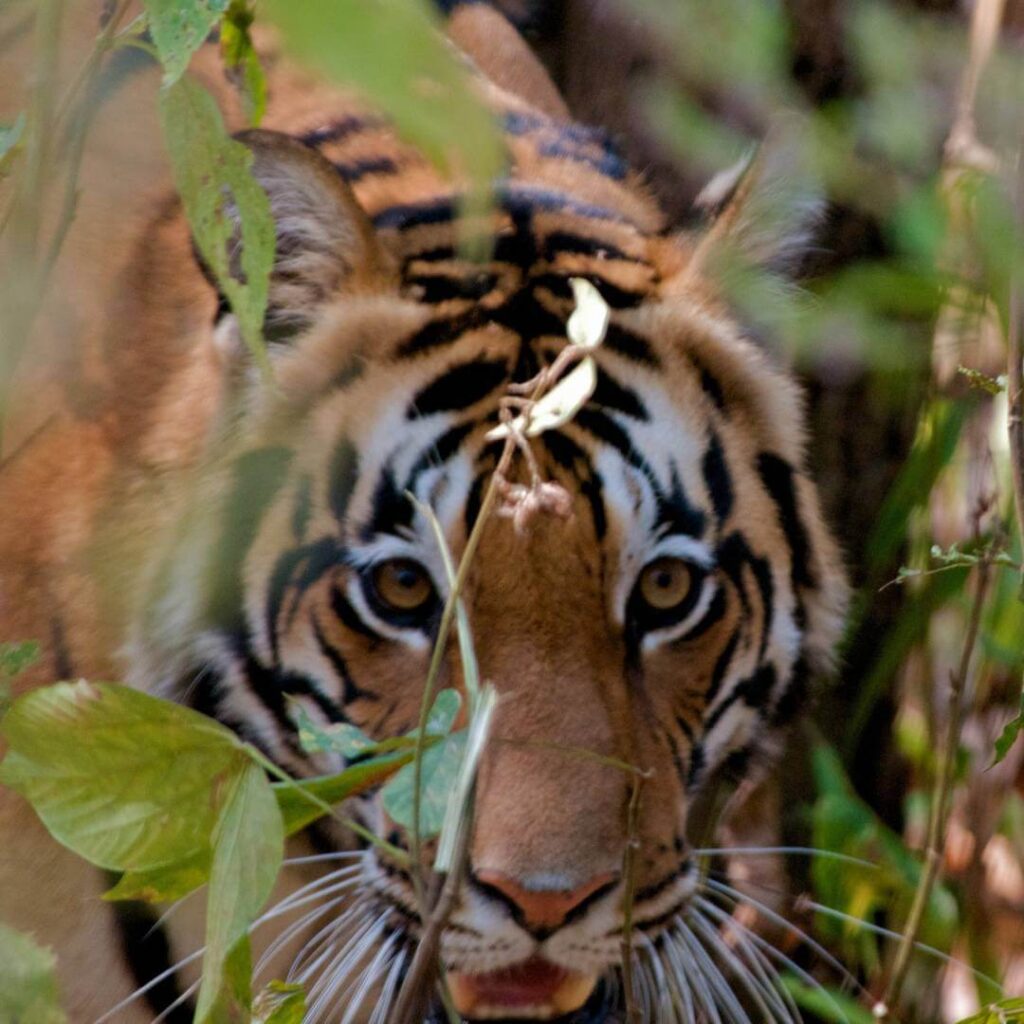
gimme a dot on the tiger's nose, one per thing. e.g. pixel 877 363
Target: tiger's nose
pixel 542 907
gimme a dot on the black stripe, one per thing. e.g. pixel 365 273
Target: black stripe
pixel 794 696
pixel 733 554
pixel 567 241
pixel 342 129
pixel 777 476
pixel 441 332
pixel 611 165
pixel 697 762
pixel 755 692
pixel 352 172
pixel 676 514
pixel 571 457
pixel 148 955
pixel 350 618
pixel 610 394
pixel 404 216
pixel 711 386
pixel 350 692
pixel 630 345
pixel 614 295
pixel 714 613
pixel 391 510
pixel 458 388
pixel 341 477
pixel 438 288
pixel 717 478
pixel 721 667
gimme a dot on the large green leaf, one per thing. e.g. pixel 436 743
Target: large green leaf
pixel 165 884
pixel 439 774
pixel 394 53
pixel 212 174
pixel 28 991
pixel 126 780
pixel 279 1003
pixel 248 846
pixel 179 28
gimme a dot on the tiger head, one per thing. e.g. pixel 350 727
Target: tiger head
pixel 667 621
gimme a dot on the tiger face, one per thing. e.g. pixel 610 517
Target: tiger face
pixel 668 619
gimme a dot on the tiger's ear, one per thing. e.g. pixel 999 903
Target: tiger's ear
pixel 325 242
pixel 763 211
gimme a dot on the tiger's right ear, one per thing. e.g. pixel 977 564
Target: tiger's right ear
pixel 325 242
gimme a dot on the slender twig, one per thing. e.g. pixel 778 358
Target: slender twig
pixel 941 796
pixel 1015 371
pixel 629 858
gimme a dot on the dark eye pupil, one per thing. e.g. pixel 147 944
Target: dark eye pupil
pixel 663 579
pixel 407 577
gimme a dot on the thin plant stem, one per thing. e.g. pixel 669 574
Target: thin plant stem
pixel 629 858
pixel 941 795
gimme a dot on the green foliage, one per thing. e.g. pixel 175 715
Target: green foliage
pixel 826 1003
pixel 15 657
pixel 1009 1011
pixel 179 28
pixel 10 137
pixel 212 174
pixel 393 53
pixel 438 773
pixel 28 989
pixel 843 823
pixel 279 1003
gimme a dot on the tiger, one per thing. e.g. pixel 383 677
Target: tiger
pixel 247 548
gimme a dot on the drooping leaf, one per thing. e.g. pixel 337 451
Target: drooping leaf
pixel 301 801
pixel 28 988
pixel 126 780
pixel 166 884
pixel 279 1003
pixel 248 846
pixel 212 175
pixel 438 774
pixel 241 62
pixel 179 28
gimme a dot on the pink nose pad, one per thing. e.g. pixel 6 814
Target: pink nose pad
pixel 544 909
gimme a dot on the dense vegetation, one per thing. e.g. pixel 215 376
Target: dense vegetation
pixel 907 328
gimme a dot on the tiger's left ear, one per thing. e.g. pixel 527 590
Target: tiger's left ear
pixel 763 211
pixel 325 243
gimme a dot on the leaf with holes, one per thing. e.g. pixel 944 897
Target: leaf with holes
pixel 212 175
pixel 438 776
pixel 179 28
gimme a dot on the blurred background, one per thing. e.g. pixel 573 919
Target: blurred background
pixel 901 326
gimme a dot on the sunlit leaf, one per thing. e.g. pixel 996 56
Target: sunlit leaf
pixel 279 1003
pixel 438 774
pixel 248 846
pixel 828 1004
pixel 212 175
pixel 179 28
pixel 126 780
pixel 28 989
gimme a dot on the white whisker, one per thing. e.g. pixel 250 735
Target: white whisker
pixel 370 974
pixel 190 991
pixel 389 990
pixel 767 851
pixel 741 897
pixel 291 931
pixel 716 979
pixel 316 858
pixel 338 973
pixel 184 962
pixel 703 989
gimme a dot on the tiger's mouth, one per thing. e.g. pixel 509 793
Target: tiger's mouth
pixel 533 990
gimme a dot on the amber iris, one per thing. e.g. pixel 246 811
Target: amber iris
pixel 402 585
pixel 665 584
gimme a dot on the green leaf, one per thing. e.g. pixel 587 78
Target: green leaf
pixel 28 989
pixel 1010 732
pixel 248 846
pixel 442 715
pixel 241 62
pixel 394 53
pixel 126 780
pixel 301 800
pixel 179 28
pixel 279 1003
pixel 826 1003
pixel 17 656
pixel 166 884
pixel 438 775
pixel 1009 1011
pixel 212 174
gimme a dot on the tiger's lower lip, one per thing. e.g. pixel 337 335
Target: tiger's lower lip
pixel 534 990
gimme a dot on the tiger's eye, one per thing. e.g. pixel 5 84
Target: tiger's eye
pixel 665 583
pixel 402 585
